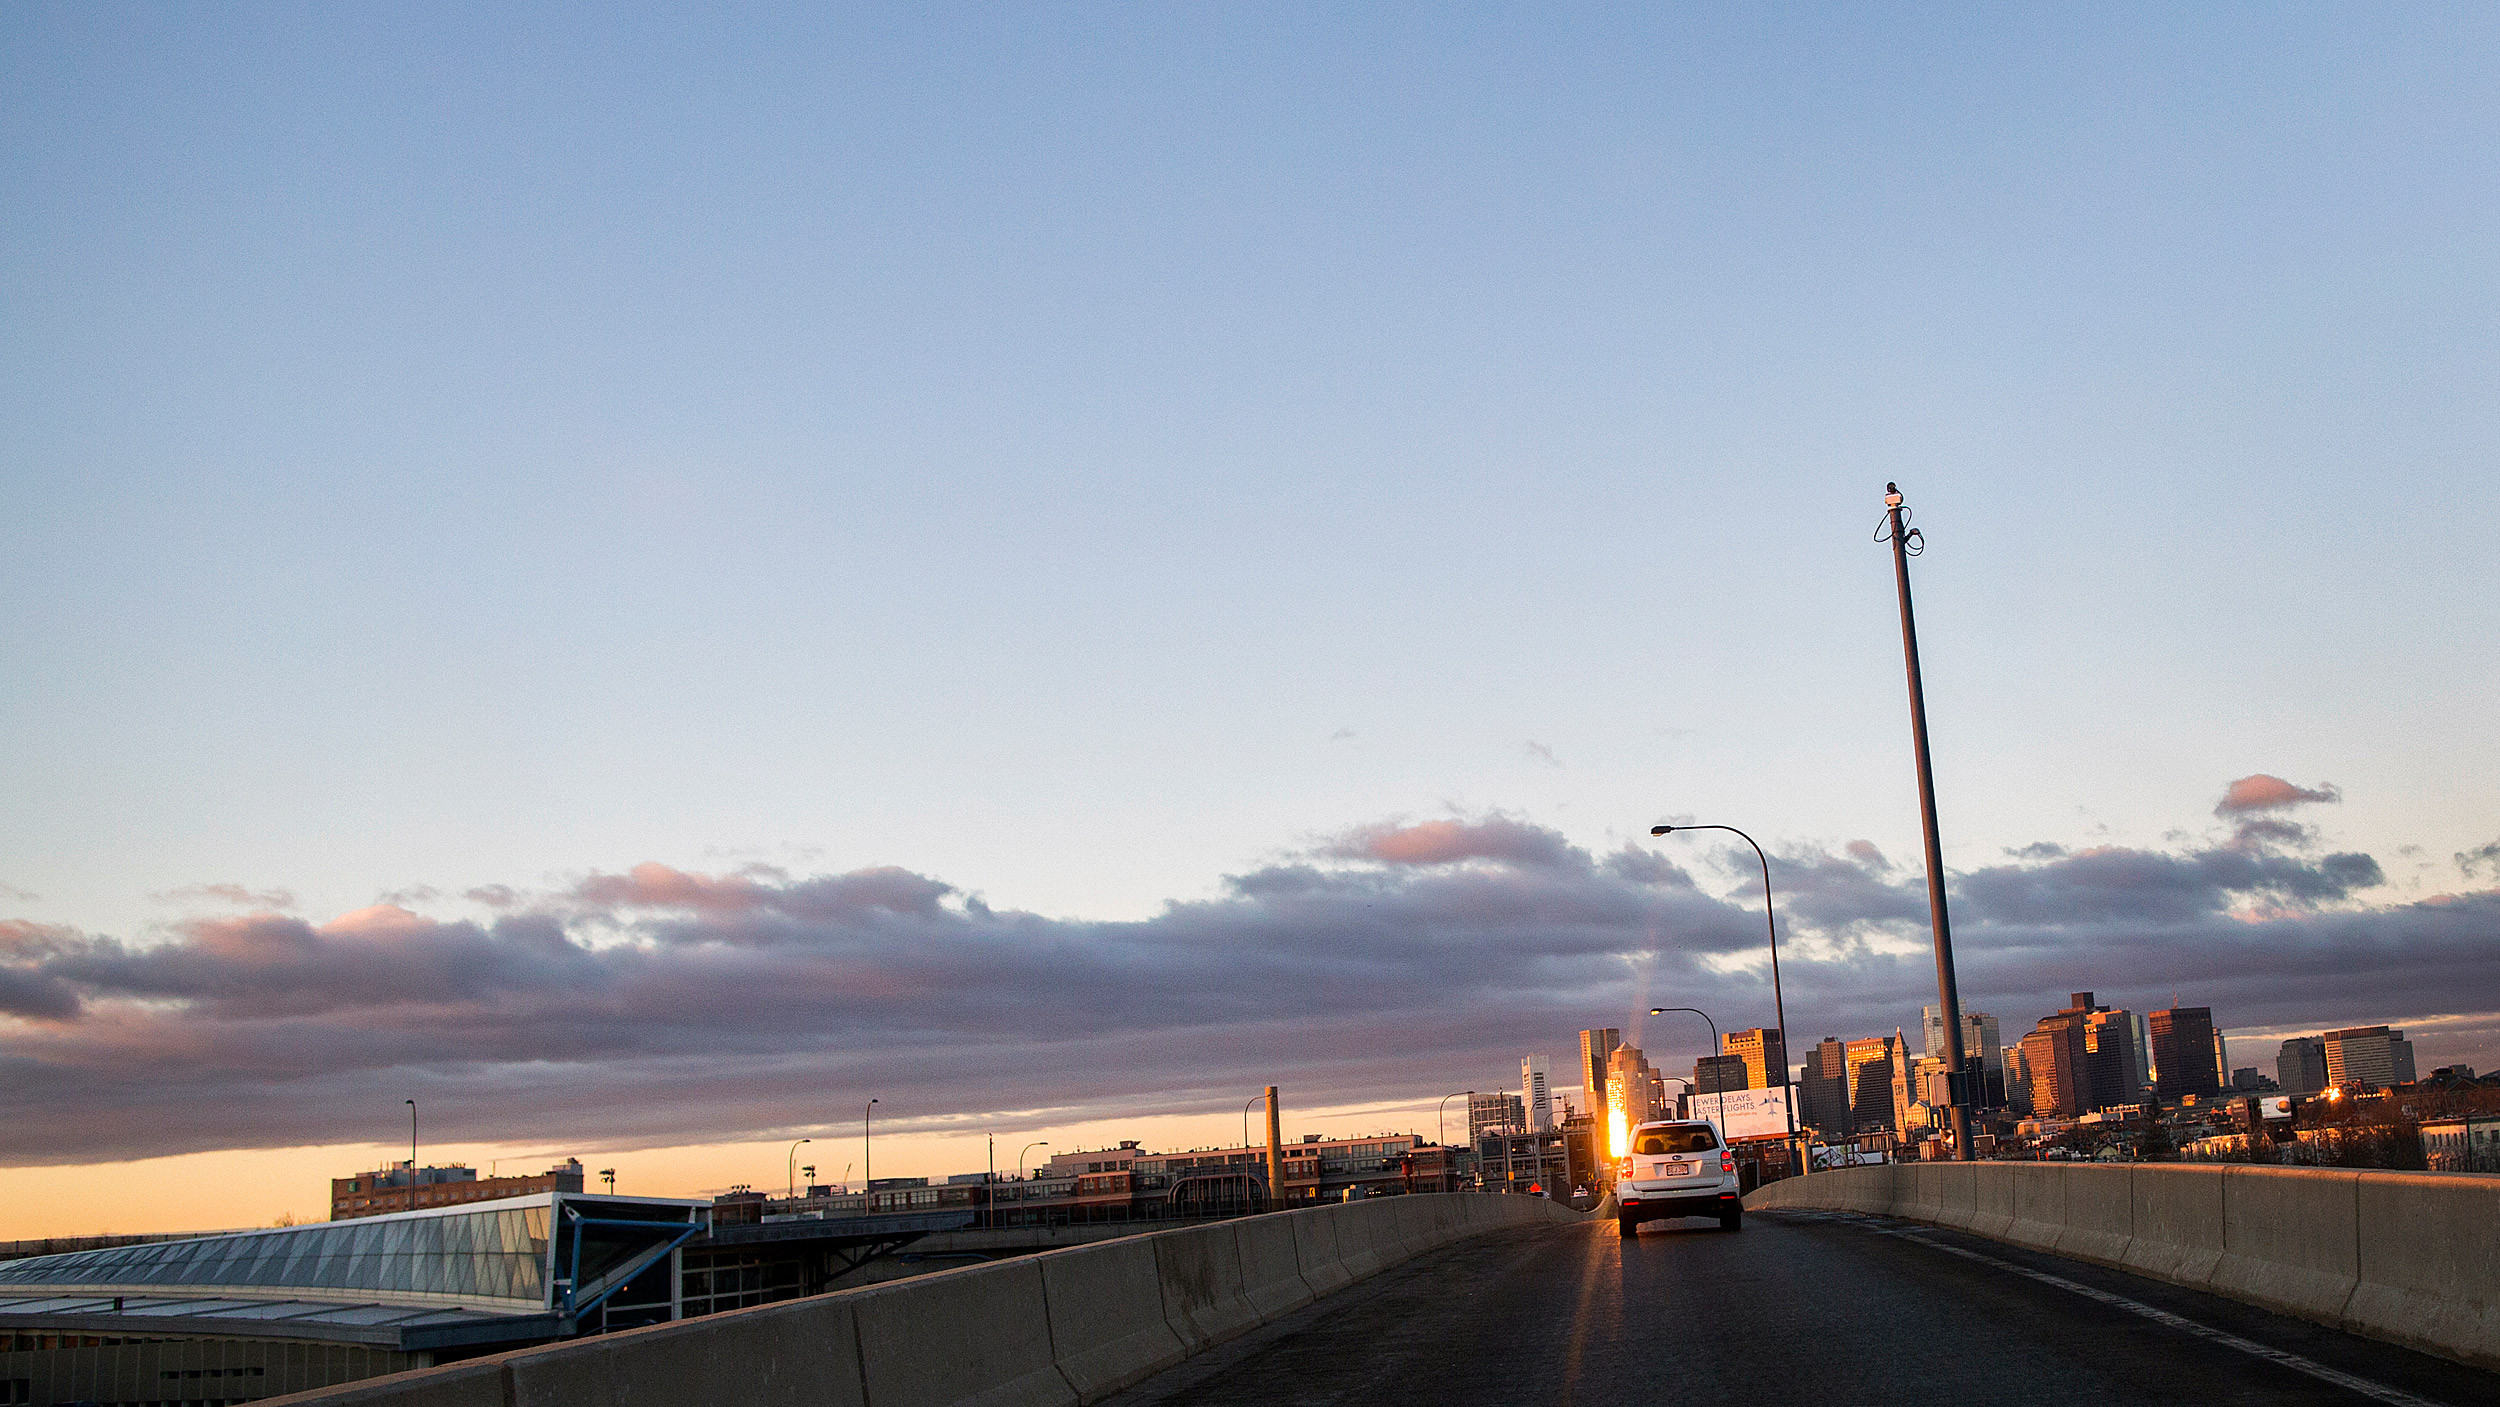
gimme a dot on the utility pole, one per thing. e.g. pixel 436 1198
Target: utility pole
pixel 412 1154
pixel 1275 1154
pixel 1906 540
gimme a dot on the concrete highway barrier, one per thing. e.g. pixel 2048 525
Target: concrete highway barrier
pixel 2410 1258
pixel 1058 1329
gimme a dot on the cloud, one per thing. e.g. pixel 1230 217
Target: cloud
pixel 1342 734
pixel 2480 860
pixel 276 900
pixel 2261 792
pixel 661 1005
pixel 1540 753
pixel 1496 838
pixel 16 895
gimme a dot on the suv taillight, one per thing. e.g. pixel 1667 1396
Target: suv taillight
pixel 1624 1168
pixel 1727 1162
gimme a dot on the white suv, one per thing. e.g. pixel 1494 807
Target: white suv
pixel 1677 1167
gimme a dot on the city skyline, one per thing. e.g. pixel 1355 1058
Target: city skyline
pixel 643 579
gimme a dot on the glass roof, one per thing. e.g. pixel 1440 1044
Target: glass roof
pixel 492 1255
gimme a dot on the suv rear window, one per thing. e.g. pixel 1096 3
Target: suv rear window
pixel 1693 1139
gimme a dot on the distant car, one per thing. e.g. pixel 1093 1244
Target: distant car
pixel 1677 1167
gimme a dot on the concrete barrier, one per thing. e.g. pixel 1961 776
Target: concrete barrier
pixel 2288 1239
pixel 2430 1263
pixel 2100 1212
pixel 1271 1273
pixel 806 1347
pixel 1200 1271
pixel 2411 1258
pixel 2177 1220
pixel 1107 1326
pixel 1992 1200
pixel 1315 1251
pixel 1057 1329
pixel 978 1336
pixel 2039 1207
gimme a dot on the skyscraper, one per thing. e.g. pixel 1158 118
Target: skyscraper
pixel 1766 1059
pixel 1870 1083
pixel 2057 1057
pixel 1823 1090
pixel 1980 1039
pixel 2300 1066
pixel 1595 1049
pixel 1635 1093
pixel 1535 1095
pixel 2183 1053
pixel 2109 1046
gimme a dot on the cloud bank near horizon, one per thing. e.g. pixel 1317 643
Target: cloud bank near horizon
pixel 664 1006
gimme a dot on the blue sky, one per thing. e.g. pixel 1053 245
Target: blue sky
pixel 1080 454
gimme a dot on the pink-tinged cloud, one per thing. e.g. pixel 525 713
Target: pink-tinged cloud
pixel 1496 838
pixel 2262 792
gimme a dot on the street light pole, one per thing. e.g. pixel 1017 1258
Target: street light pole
pixel 1905 540
pixel 412 1154
pixel 1023 1192
pixel 1714 1049
pixel 1779 1003
pixel 1440 1132
pixel 792 1162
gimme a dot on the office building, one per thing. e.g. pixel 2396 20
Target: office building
pixel 1870 1064
pixel 1495 1111
pixel 2109 1051
pixel 1596 1049
pixel 1534 1095
pixel 1980 1039
pixel 1713 1073
pixel 2058 1060
pixel 403 1188
pixel 1764 1054
pixel 1823 1089
pixel 2300 1065
pixel 2368 1057
pixel 1635 1093
pixel 2183 1054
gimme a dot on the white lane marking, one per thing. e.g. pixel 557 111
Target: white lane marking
pixel 2293 1361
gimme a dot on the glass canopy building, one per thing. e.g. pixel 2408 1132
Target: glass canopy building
pixel 402 1289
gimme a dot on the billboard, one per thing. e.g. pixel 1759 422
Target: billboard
pixel 1751 1113
pixel 2275 1106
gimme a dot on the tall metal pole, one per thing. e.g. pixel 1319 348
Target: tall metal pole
pixel 1948 990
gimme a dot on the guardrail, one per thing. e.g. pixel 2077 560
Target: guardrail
pixel 1057 1329
pixel 2410 1258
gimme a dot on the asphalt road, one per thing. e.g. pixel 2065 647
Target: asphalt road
pixel 1798 1307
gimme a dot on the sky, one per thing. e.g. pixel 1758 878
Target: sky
pixel 643 578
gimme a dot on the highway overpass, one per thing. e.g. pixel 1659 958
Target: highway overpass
pixel 1928 1282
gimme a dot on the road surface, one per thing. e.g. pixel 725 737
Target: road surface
pixel 1799 1307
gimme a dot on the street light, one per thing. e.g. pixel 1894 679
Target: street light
pixel 412 1154
pixel 793 1162
pixel 1245 1120
pixel 1779 1003
pixel 1714 1046
pixel 1441 1135
pixel 1024 1193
